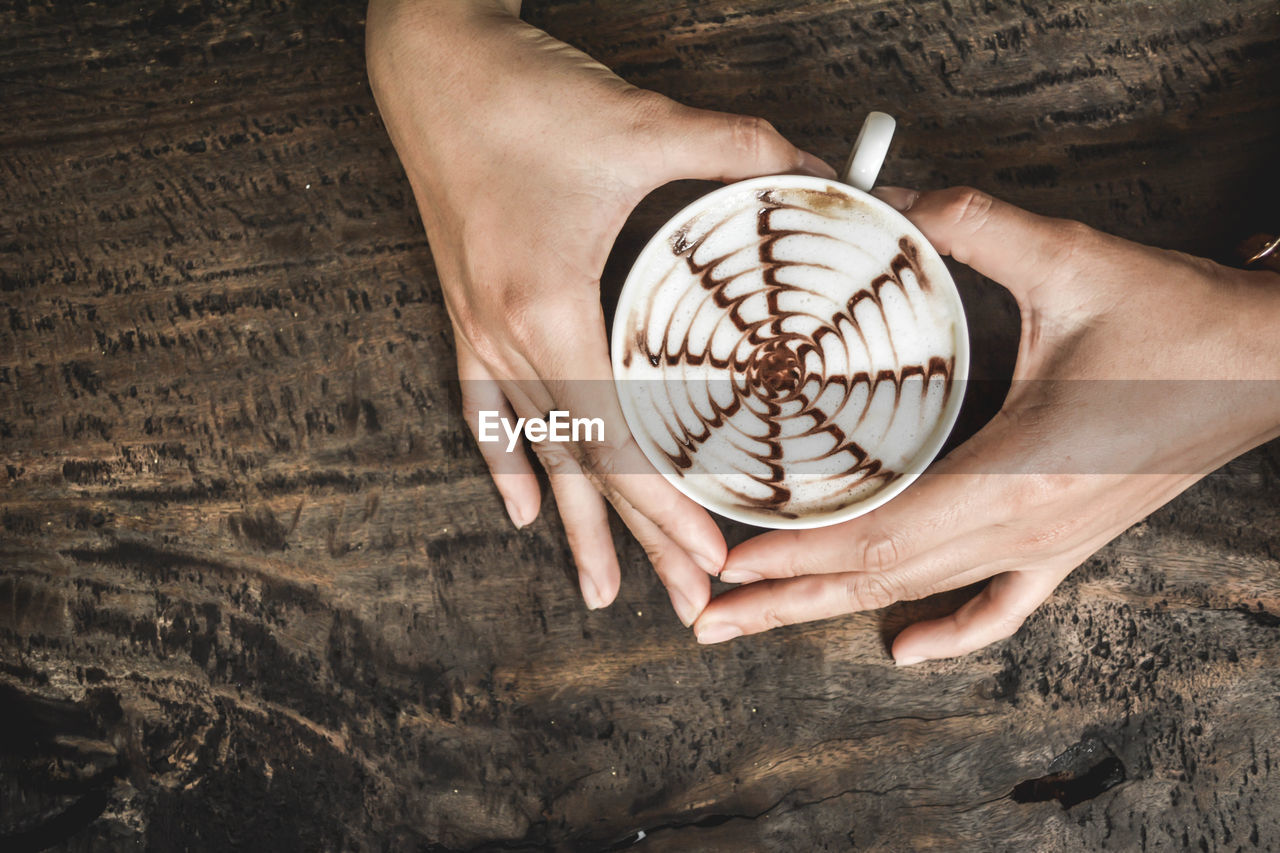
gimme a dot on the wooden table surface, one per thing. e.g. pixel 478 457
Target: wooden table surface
pixel 257 589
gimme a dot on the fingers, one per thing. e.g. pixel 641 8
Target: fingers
pixel 616 463
pixel 581 508
pixel 618 472
pixel 943 505
pixel 583 513
pixel 954 498
pixel 993 614
pixel 769 604
pixel 1019 249
pixel 681 539
pixel 512 473
pixel 586 526
pixel 719 146
pixel 585 518
pixel 580 497
pixel 687 585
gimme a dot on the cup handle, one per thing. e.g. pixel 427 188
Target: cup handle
pixel 869 151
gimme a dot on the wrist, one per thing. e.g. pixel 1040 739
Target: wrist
pixel 1255 351
pixel 1254 303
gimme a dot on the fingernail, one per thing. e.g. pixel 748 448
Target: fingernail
pixel 708 565
pixel 909 660
pixel 590 595
pixel 740 576
pixel 898 198
pixel 518 517
pixel 816 166
pixel 685 609
pixel 718 634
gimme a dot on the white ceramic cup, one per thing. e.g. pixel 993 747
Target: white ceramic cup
pixel 671 435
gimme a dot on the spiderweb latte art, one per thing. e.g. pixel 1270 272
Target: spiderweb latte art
pixel 789 351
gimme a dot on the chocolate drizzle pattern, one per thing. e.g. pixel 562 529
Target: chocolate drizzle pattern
pixel 802 367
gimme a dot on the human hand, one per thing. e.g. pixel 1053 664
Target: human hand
pixel 1085 445
pixel 525 157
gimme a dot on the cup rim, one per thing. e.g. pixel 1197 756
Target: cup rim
pixel 632 288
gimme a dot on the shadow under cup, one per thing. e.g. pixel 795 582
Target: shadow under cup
pixel 789 352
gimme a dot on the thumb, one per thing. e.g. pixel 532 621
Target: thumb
pixel 995 613
pixel 1014 247
pixel 709 145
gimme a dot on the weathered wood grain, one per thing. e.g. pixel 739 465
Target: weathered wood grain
pixel 256 588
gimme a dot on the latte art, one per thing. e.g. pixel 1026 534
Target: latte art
pixel 790 343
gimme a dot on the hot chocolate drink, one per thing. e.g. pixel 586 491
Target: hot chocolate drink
pixel 788 351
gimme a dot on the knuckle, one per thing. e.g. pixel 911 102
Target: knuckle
pixel 571 458
pixel 771 618
pixel 554 458
pixel 655 553
pixel 869 591
pixel 652 546
pixel 601 461
pixel 881 552
pixel 477 335
pixel 497 308
pixel 968 207
pixel 801 560
pixel 523 333
pixel 752 134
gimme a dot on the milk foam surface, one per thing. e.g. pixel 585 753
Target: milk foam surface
pixel 788 351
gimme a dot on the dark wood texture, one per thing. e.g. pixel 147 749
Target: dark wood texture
pixel 256 587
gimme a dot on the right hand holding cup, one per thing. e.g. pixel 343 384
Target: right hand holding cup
pixel 1137 373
